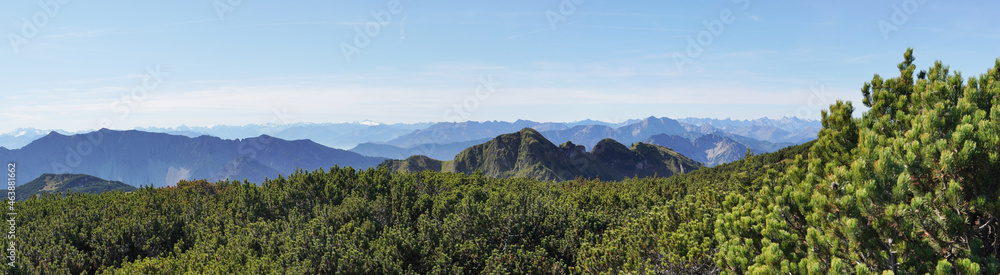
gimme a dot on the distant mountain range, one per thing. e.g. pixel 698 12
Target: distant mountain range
pixel 350 134
pixel 22 136
pixel 527 153
pixel 443 140
pixel 784 130
pixel 336 135
pixel 589 136
pixel 433 150
pixel 710 149
pixel 63 183
pixel 143 158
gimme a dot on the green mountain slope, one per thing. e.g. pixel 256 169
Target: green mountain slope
pixel 63 183
pixel 412 164
pixel 528 154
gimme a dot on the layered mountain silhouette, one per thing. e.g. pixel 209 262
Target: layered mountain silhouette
pixel 63 183
pixel 142 158
pixel 528 154
pixel 20 137
pixel 445 140
pixel 157 159
pixel 452 132
pixel 788 130
pixel 433 150
pixel 590 135
pixel 587 135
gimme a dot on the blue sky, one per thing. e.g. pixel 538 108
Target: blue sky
pixel 548 60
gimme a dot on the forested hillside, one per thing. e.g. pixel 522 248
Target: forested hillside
pixel 909 187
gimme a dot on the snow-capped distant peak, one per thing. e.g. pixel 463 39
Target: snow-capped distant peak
pixel 370 123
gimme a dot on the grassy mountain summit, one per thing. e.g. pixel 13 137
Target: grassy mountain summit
pixel 528 154
pixel 62 183
pixel 415 163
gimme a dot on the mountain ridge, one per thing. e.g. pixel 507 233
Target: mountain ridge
pixel 528 154
pixel 347 135
pixel 141 158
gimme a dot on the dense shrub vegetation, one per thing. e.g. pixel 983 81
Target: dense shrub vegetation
pixel 910 187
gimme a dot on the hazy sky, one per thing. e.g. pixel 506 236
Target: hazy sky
pixel 78 65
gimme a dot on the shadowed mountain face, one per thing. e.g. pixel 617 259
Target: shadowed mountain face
pixel 62 183
pixel 590 136
pixel 642 160
pixel 528 154
pixel 141 158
